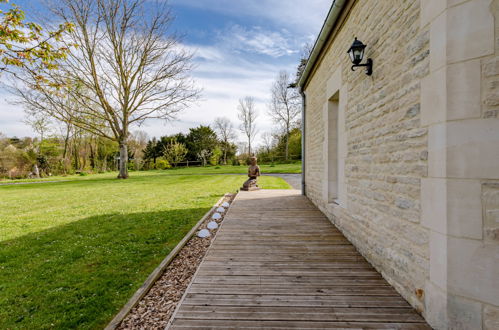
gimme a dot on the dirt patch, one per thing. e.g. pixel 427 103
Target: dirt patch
pixel 156 308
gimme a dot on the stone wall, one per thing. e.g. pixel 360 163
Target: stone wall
pixel 418 189
pixel 386 146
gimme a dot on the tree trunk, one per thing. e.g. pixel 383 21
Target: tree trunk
pixel 92 156
pixel 123 160
pixel 76 156
pixel 66 141
pixel 249 147
pixel 65 162
pixel 287 144
pixel 36 171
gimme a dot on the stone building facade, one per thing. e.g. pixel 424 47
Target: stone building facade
pixel 406 161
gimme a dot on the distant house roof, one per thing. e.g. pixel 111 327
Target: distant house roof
pixel 327 27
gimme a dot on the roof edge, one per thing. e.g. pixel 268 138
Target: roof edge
pixel 327 27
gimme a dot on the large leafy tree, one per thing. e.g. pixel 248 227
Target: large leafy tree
pixel 201 142
pixel 151 151
pixel 27 45
pixel 128 68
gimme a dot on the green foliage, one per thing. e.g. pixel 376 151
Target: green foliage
pixel 162 164
pixel 175 152
pixel 74 254
pixel 216 156
pixel 151 152
pixel 56 155
pixel 25 44
pixel 277 153
pixel 295 144
pixel 201 142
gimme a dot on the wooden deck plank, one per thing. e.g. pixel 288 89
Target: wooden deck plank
pixel 295 301
pixel 278 263
pixel 247 324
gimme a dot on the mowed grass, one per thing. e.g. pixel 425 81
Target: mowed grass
pixel 224 169
pixel 72 253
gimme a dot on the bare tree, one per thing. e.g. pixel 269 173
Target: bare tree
pixel 242 147
pixel 127 68
pixel 226 134
pixel 304 55
pixel 39 122
pixel 284 107
pixel 137 143
pixel 268 144
pixel 247 114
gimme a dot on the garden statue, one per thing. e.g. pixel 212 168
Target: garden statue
pixel 253 174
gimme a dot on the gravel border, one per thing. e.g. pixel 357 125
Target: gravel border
pixel 155 308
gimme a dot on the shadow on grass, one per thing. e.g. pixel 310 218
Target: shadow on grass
pixel 80 274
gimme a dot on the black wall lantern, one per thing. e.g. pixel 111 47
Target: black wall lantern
pixel 356 53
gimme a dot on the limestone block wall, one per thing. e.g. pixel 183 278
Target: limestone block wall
pixel 418 151
pixel 459 196
pixel 386 147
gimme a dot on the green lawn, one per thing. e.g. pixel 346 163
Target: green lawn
pixel 72 253
pixel 225 169
pixel 278 168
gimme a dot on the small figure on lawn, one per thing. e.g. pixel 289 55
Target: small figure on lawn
pixel 253 174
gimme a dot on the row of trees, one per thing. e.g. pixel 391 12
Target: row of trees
pixel 201 145
pixel 68 150
pixel 64 150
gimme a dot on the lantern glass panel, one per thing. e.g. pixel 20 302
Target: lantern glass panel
pixel 350 53
pixel 358 54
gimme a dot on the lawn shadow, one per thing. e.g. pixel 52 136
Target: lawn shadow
pixel 78 275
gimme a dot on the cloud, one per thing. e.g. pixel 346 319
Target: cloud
pixel 239 57
pixel 259 40
pixel 296 15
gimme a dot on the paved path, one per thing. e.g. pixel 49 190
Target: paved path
pixel 277 262
pixel 294 180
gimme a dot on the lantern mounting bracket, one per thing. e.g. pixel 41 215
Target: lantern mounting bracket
pixel 368 65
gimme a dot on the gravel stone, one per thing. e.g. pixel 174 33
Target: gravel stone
pixel 156 308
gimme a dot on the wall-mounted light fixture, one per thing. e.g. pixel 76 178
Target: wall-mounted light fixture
pixel 356 53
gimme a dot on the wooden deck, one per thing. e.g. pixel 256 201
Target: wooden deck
pixel 278 262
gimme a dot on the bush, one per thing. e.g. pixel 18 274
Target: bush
pixel 217 167
pixel 162 164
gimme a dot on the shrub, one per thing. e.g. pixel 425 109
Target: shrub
pixel 162 164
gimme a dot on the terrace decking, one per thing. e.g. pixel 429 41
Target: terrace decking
pixel 278 262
